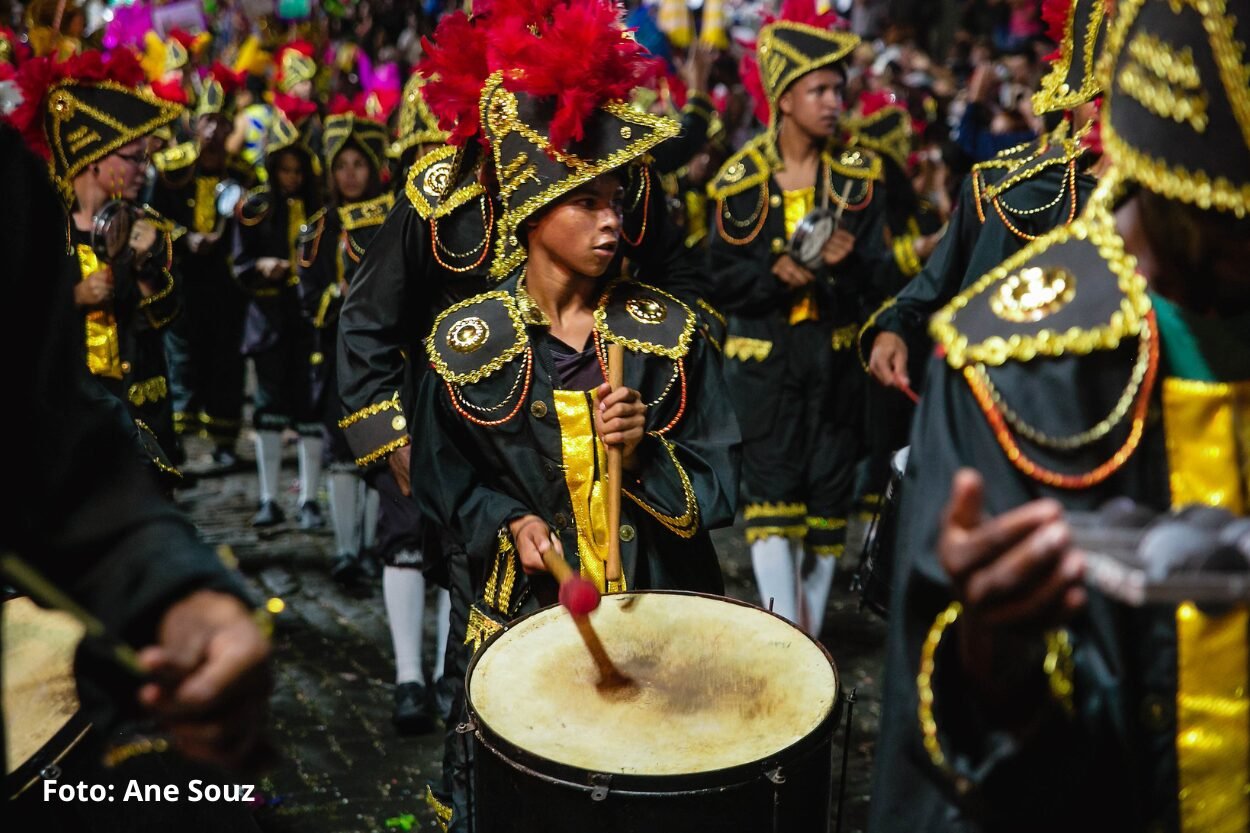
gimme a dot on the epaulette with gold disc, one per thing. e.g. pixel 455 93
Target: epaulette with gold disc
pixel 854 163
pixel 861 166
pixel 255 205
pixel 431 188
pixel 367 214
pixel 1057 154
pixel 1073 292
pixel 176 158
pixel 645 319
pixel 746 169
pixel 477 337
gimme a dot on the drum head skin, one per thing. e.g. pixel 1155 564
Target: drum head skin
pixel 719 684
pixel 39 691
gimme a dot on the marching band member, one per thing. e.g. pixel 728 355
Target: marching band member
pixel 791 325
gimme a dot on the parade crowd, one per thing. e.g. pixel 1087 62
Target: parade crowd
pixel 970 275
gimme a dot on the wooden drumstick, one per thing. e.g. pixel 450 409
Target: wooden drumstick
pixel 25 577
pixel 580 597
pixel 616 378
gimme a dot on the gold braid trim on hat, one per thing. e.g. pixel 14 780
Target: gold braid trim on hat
pixel 1175 181
pixel 59 94
pixel 499 111
pixel 1054 93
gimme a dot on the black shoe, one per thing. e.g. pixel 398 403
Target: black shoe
pixel 369 565
pixel 224 458
pixel 412 716
pixel 268 515
pixel 346 570
pixel 310 516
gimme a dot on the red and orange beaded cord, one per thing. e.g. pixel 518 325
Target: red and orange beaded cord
pixel 1103 471
pixel 646 206
pixel 488 220
pixel 525 391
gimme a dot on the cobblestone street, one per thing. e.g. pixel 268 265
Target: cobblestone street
pixel 343 769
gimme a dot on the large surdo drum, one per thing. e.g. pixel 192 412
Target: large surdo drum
pixel 728 726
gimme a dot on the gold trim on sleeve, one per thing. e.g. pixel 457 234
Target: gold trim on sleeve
pixel 686 524
pixel 381 452
pixel 392 404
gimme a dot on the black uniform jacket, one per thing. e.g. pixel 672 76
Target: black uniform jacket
pixel 503 441
pixel 1016 399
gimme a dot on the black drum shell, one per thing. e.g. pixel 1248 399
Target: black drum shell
pixel 518 791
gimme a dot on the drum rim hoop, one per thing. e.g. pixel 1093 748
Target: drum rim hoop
pixel 25 774
pixel 634 783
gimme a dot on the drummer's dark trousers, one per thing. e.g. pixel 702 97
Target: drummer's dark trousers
pixel 799 403
pixel 206 371
pixel 454 788
pixel 888 414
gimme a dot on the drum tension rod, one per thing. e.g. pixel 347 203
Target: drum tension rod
pixel 599 783
pixel 846 750
pixel 465 730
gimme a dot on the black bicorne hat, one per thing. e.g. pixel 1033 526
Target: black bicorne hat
pixel 348 128
pixel 1177 114
pixel 85 122
pixel 533 174
pixel 417 125
pixel 1072 79
pixel 887 131
pixel 282 136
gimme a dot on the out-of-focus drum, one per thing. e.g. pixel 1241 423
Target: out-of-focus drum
pixel 41 721
pixel 729 726
pixel 876 565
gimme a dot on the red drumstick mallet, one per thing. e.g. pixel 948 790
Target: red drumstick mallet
pixel 580 597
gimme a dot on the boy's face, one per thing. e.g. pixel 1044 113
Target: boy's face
pixel 813 102
pixel 583 229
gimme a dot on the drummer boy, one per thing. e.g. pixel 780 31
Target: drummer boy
pixel 520 416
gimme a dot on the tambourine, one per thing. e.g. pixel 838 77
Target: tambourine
pixel 228 193
pixel 810 237
pixel 110 230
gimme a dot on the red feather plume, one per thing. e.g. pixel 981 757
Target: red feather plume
pixel 580 56
pixel 170 91
pixel 456 68
pixel 1055 16
pixel 185 38
pixel 804 11
pixel 231 81
pixel 295 109
pixel 572 50
pixel 339 105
